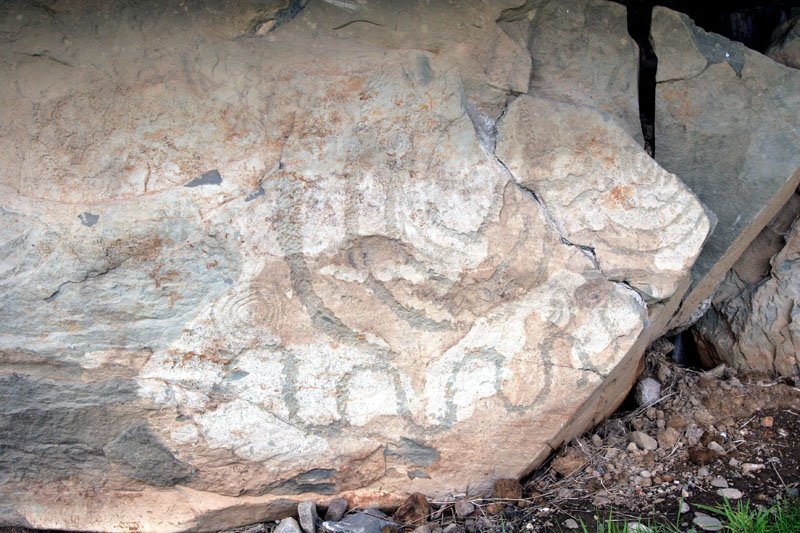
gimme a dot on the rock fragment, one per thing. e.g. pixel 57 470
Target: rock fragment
pixel 730 493
pixel 336 509
pixel 701 456
pixel 307 514
pixel 714 446
pixel 643 440
pixel 288 525
pixel 706 522
pixel 369 521
pixel 719 483
pixel 785 46
pixel 648 391
pixel 414 510
pixel 668 437
pixel 749 468
pixel 702 81
pixel 464 508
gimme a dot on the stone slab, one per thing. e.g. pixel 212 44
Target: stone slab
pixel 726 124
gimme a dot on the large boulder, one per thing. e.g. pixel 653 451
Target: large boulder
pixel 754 320
pixel 726 124
pixel 251 258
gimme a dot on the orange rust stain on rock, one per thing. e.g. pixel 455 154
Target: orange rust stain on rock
pixel 678 103
pixel 620 196
pixel 194 356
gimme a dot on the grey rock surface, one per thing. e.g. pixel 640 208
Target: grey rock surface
pixel 785 46
pixel 369 521
pixel 581 54
pixel 464 508
pixel 288 525
pixel 743 171
pixel 307 515
pixel 336 509
pixel 751 322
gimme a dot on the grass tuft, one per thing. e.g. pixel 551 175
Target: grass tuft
pixel 783 517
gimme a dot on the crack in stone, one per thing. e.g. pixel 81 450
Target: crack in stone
pixel 90 275
pixel 486 132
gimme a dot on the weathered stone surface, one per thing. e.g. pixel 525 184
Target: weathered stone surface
pixel 726 125
pixel 596 186
pixel 785 47
pixel 752 321
pixel 581 54
pixel 251 258
pixel 507 489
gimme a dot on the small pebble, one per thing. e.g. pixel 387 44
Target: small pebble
pixel 702 472
pixel 714 446
pixel 494 508
pixel 569 523
pixel 719 483
pixel 288 525
pixel 731 494
pixel 707 523
pixel 601 501
pixel 767 421
pixel 647 391
pixel 644 441
pixel 748 468
pixel 336 509
pixel 464 508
